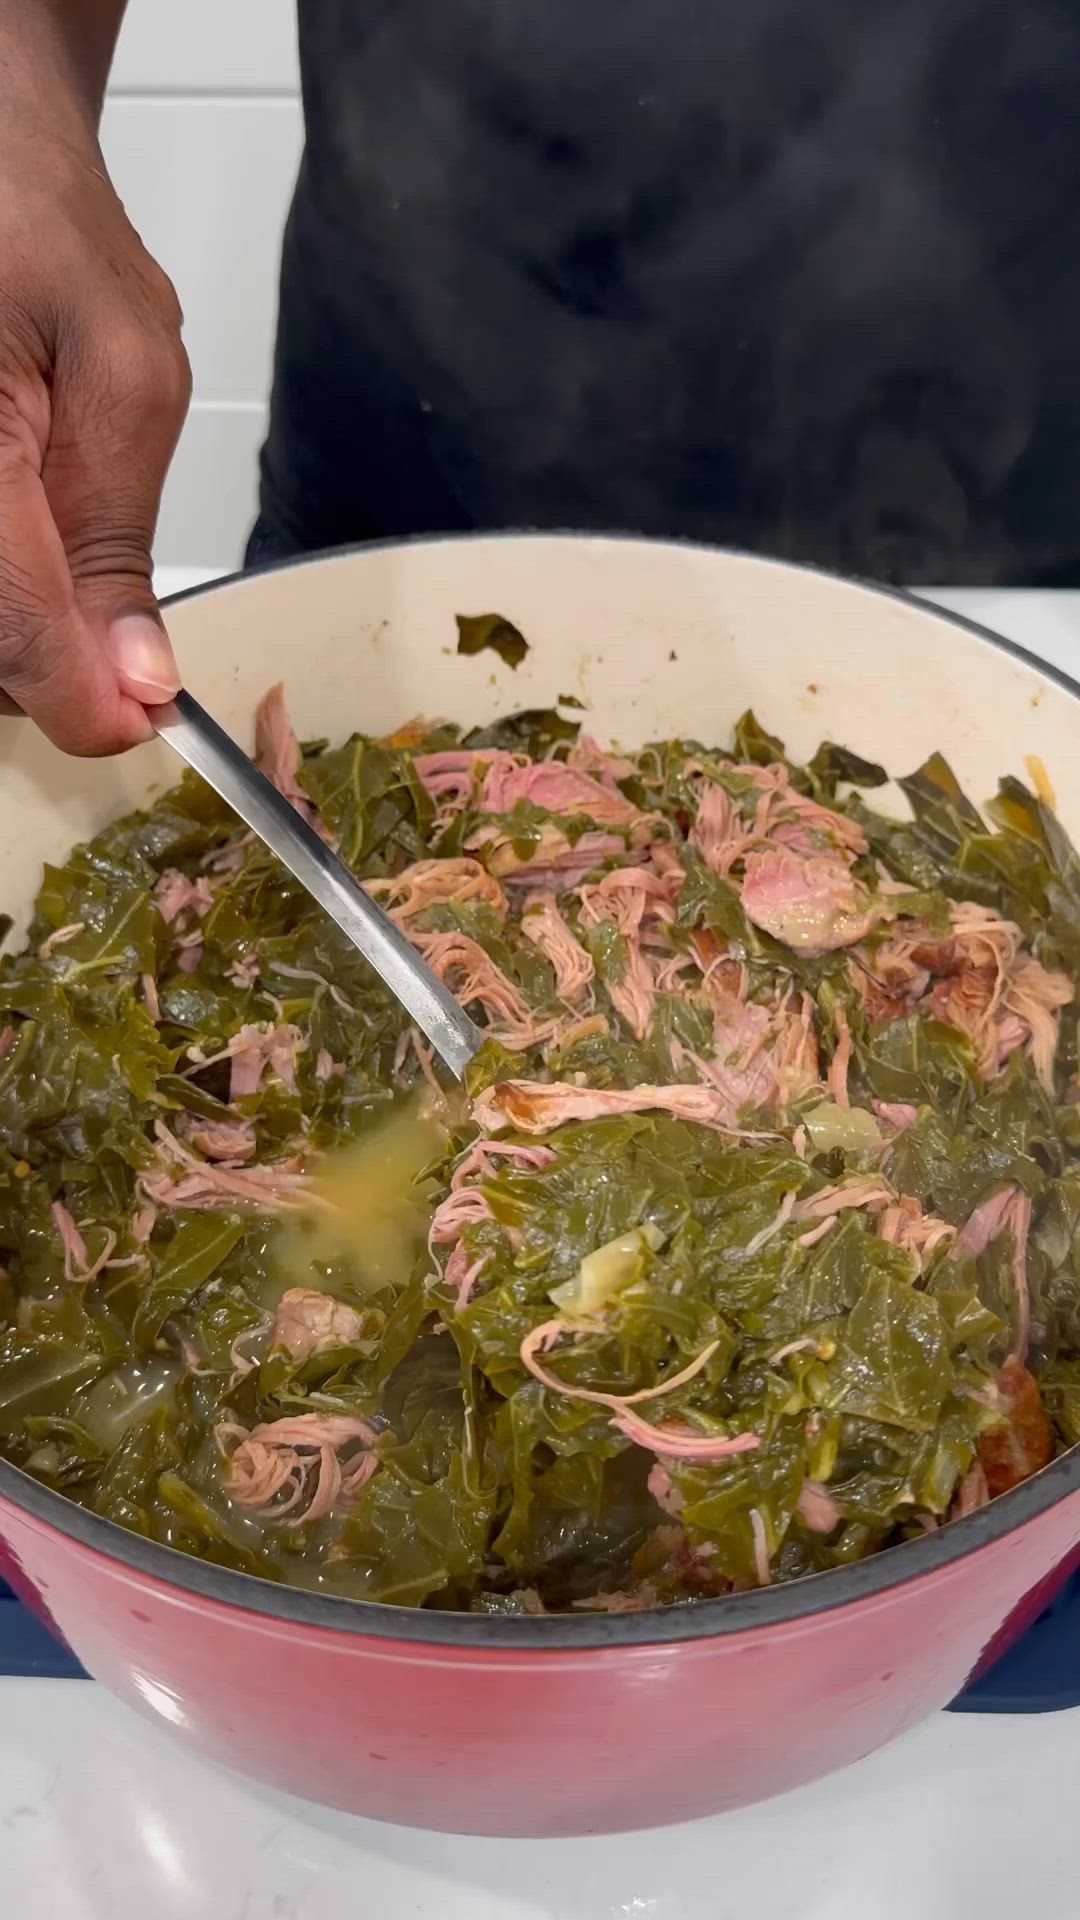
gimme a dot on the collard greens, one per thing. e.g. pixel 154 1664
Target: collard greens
pixel 753 1247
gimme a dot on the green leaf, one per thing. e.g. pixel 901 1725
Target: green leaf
pixel 480 632
pixel 195 1252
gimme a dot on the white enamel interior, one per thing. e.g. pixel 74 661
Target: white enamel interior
pixel 656 639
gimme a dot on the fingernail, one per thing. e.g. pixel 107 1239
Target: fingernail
pixel 140 652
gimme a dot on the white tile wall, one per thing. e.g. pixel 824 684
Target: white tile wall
pixel 202 134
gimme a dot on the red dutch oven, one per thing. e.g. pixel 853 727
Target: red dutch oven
pixel 561 1725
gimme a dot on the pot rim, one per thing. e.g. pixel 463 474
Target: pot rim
pixel 590 1632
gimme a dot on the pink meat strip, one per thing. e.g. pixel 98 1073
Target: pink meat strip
pixel 477 1163
pixel 832 1200
pixel 183 1180
pixel 1007 1211
pixel 244 972
pixel 461 1276
pixel 308 1322
pixel 533 1107
pixel 894 1117
pixel 809 902
pixel 77 1264
pixel 150 997
pixel 465 1207
pixel 678 1440
pixel 719 833
pixel 299 1456
pixel 277 754
pixel 543 926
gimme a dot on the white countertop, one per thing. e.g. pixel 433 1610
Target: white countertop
pixel 105 1817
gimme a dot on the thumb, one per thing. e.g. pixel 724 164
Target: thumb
pixel 52 666
pixel 112 437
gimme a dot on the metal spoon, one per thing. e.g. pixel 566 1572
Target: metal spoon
pixel 197 738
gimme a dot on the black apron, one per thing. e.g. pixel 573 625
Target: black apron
pixel 803 278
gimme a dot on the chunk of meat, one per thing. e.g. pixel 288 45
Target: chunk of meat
pixel 816 1508
pixel 543 925
pixel 894 1117
pixel 1024 1441
pixel 318 1462
pixel 555 787
pixel 810 903
pixel 308 1322
pixel 250 1051
pixel 254 1049
pixel 533 1107
pixel 175 894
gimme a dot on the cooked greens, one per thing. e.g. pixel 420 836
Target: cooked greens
pixel 752 1247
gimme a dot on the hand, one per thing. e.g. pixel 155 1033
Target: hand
pixel 94 386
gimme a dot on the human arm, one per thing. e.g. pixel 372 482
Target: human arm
pixel 94 386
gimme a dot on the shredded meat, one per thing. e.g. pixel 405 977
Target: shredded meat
pixel 319 1462
pixel 473 976
pixel 543 925
pixel 431 883
pixel 175 894
pixel 533 1107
